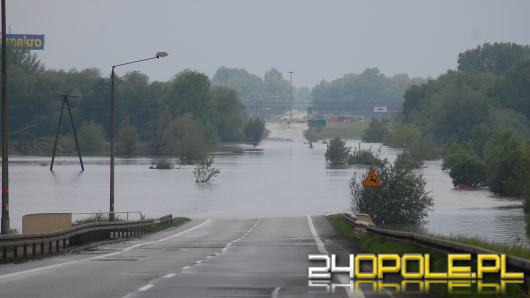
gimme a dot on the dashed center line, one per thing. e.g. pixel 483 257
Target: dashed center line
pixel 170 275
pixel 145 288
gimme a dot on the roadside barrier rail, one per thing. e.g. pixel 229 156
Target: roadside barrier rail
pixel 23 246
pixel 516 263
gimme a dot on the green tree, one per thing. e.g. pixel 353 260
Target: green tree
pixel 513 89
pixel 228 113
pixel 189 92
pixel 496 58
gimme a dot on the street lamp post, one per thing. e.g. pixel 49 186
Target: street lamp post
pixel 5 163
pixel 113 125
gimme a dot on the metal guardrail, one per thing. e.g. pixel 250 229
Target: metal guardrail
pixel 440 244
pixel 13 247
pixel 104 216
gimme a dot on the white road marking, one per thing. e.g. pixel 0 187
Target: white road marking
pixel 145 288
pixel 49 267
pixel 320 245
pixel 170 275
pixel 322 249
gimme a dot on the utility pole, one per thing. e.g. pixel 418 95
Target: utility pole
pixel 291 73
pixel 5 159
pixel 67 103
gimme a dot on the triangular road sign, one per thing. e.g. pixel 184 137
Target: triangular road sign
pixel 372 180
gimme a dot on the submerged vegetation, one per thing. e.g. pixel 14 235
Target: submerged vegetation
pixel 401 198
pixel 204 172
pixel 476 117
pixel 361 156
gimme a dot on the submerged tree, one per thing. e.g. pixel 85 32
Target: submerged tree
pixel 337 153
pixel 204 172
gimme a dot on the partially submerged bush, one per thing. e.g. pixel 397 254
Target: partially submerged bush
pixel 402 198
pixel 364 156
pixel 163 164
pixel 204 172
pixel 337 154
pixel 407 159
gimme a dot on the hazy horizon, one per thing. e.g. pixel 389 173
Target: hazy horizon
pixel 315 39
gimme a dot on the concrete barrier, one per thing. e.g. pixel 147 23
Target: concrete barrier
pixel 40 223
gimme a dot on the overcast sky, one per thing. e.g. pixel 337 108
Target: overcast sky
pixel 317 39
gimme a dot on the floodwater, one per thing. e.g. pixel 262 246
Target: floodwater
pixel 280 177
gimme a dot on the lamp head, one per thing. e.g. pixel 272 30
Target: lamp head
pixel 161 54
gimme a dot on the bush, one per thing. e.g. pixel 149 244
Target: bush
pixel 204 172
pixel 337 154
pixel 364 156
pixel 376 131
pixel 402 198
pixel 163 164
pixel 407 159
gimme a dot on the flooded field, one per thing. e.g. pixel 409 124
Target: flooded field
pixel 280 177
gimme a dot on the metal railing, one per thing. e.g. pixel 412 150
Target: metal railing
pixel 23 246
pixel 77 217
pixel 440 244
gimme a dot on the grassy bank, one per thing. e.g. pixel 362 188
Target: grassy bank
pixel 376 244
pixel 344 130
pixel 515 250
pixel 372 243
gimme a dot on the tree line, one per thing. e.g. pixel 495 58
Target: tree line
pixel 186 116
pixel 476 117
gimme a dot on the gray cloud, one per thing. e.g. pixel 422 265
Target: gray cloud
pixel 317 39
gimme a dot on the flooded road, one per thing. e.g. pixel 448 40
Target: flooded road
pixel 280 177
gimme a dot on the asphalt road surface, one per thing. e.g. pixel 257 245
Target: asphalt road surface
pixel 203 258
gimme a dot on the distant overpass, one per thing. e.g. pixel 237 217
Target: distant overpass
pixel 266 109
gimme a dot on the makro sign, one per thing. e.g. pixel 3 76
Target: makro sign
pixel 27 41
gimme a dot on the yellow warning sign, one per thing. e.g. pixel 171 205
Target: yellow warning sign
pixel 372 180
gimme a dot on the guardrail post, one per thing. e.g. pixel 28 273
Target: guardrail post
pixel 42 248
pixel 15 252
pixel 50 244
pixel 4 253
pixel 64 243
pixel 33 249
pixel 25 251
pixel 57 246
